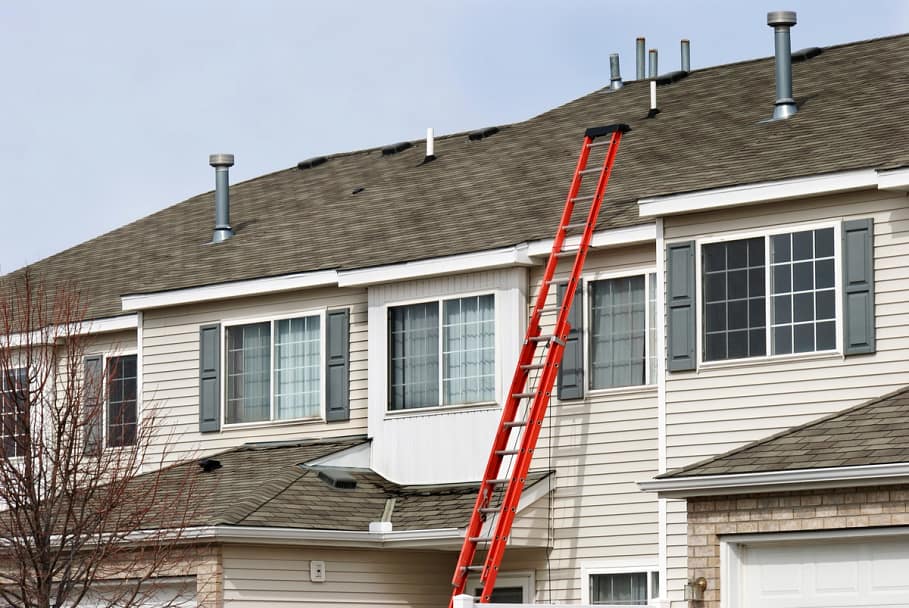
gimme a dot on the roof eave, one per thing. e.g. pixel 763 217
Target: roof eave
pixel 777 481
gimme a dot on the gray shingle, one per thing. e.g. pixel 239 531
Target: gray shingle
pixel 510 187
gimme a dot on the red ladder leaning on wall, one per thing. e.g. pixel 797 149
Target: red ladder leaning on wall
pixel 534 377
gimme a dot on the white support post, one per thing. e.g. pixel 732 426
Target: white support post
pixel 463 601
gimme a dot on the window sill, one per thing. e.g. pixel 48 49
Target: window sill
pixel 752 361
pixel 618 390
pixel 269 423
pixel 441 409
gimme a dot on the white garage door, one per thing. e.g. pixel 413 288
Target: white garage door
pixel 826 574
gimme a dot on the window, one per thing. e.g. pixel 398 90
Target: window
pixel 13 402
pixel 503 595
pixel 274 370
pixel 121 401
pixel 624 588
pixel 459 368
pixel 623 331
pixel 752 308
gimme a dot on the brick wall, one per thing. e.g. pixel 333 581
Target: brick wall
pixel 833 509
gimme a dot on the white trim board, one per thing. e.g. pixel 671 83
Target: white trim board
pixel 831 477
pixel 778 190
pixel 85 328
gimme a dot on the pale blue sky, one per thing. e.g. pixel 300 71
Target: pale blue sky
pixel 110 108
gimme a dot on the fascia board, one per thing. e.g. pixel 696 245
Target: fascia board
pixel 468 262
pixel 614 237
pixel 761 192
pixel 894 179
pixel 832 477
pixel 446 537
pixel 237 289
pixel 90 327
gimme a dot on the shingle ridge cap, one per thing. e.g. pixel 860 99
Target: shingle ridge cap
pixel 783 433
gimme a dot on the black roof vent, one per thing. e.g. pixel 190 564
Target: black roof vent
pixel 671 77
pixel 395 148
pixel 482 133
pixel 209 464
pixel 309 163
pixel 806 54
pixel 338 479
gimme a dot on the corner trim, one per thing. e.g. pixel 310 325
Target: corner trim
pixel 830 477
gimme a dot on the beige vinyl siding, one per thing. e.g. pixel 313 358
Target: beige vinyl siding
pixel 717 409
pixel 170 352
pixel 599 447
pixel 261 576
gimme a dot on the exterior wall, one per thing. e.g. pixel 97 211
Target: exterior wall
pixel 713 410
pixel 170 374
pixel 599 446
pixel 446 444
pixel 260 576
pixel 710 517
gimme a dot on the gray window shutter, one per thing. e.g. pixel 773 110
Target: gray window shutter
pixel 571 371
pixel 210 378
pixel 337 365
pixel 681 339
pixel 858 286
pixel 93 398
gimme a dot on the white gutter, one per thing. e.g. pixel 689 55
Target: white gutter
pixel 830 477
pixel 348 538
pixel 780 190
pixel 237 289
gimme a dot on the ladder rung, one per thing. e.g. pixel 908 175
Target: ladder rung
pixel 550 309
pixel 540 338
pixel 507 452
pixel 480 539
pixel 530 366
pixel 473 568
pixel 498 482
pixel 579 199
pixel 600 143
pixel 574 226
pixel 556 281
pixel 513 423
pixel 565 254
pixel 586 171
pixel 490 509
pixel 523 395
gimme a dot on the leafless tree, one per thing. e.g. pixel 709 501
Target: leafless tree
pixel 80 522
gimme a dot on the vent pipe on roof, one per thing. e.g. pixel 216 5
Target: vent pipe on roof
pixel 686 55
pixel 652 65
pixel 615 76
pixel 782 22
pixel 639 53
pixel 222 163
pixel 430 145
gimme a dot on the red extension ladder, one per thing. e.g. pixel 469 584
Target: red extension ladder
pixel 534 377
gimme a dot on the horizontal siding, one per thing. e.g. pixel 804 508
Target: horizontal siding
pixel 170 350
pixel 713 410
pixel 599 447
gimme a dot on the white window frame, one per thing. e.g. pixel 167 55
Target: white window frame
pixel 441 300
pixel 23 368
pixel 766 234
pixel 586 336
pixel 620 566
pixel 272 319
pixel 524 579
pixel 106 356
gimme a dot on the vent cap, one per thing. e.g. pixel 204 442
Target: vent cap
pixel 209 464
pixel 395 148
pixel 338 479
pixel 482 133
pixel 309 163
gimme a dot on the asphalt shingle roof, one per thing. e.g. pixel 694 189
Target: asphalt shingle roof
pixel 266 486
pixel 876 432
pixel 510 187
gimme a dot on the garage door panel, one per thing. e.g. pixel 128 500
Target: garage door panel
pixel 826 574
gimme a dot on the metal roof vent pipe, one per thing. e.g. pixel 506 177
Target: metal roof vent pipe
pixel 222 164
pixel 615 76
pixel 652 69
pixel 639 52
pixel 686 55
pixel 782 22
pixel 430 146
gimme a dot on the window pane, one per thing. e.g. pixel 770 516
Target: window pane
pixel 826 335
pixel 617 332
pixel 626 589
pixel 734 313
pixel 13 403
pixel 414 356
pixel 297 368
pixel 121 401
pixel 803 289
pixel 468 349
pixel 248 372
pixel 652 328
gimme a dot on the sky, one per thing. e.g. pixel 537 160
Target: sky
pixel 109 108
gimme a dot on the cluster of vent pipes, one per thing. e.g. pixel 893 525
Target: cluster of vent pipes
pixel 652 61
